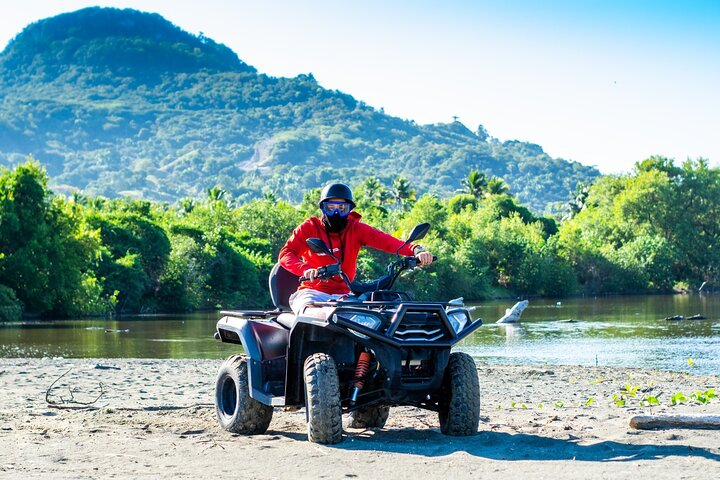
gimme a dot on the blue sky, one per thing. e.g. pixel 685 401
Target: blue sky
pixel 605 83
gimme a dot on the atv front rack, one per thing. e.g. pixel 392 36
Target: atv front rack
pixel 407 324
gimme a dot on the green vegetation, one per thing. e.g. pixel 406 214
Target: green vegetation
pixel 77 255
pixel 121 103
pixel 647 231
pixel 179 172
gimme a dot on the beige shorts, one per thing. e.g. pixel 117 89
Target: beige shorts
pixel 301 298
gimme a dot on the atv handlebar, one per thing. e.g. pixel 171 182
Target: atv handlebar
pixel 410 263
pixel 325 272
pixel 329 271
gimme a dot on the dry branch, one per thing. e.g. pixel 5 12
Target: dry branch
pixel 651 422
pixel 70 403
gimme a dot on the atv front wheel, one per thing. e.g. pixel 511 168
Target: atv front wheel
pixel 322 399
pixel 367 417
pixel 460 405
pixel 236 410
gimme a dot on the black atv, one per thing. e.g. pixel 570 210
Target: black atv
pixel 348 361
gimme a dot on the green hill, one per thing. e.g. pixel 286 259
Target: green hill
pixel 120 102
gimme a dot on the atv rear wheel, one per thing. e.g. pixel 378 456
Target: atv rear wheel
pixel 322 399
pixel 236 411
pixel 460 405
pixel 367 417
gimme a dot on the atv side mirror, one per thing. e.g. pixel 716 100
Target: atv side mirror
pixel 418 232
pixel 318 246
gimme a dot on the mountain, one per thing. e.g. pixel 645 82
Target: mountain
pixel 123 103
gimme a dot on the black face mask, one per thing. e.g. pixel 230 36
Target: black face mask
pixel 335 223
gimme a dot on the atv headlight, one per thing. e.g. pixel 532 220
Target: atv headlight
pixel 458 319
pixel 367 321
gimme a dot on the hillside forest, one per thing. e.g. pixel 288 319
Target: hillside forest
pixel 655 229
pixel 122 103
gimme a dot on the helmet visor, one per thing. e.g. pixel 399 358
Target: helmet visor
pixel 342 208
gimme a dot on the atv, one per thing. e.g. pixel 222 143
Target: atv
pixel 348 361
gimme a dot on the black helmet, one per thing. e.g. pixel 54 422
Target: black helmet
pixel 337 190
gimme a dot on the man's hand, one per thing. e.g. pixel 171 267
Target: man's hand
pixel 425 258
pixel 312 273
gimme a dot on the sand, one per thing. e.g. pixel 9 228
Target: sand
pixel 155 419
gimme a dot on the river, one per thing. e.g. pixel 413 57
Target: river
pixel 628 331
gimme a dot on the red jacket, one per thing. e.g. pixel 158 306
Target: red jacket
pixel 296 257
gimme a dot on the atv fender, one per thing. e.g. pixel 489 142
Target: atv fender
pixel 310 336
pixel 265 343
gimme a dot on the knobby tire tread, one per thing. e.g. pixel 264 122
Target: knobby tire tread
pixel 460 409
pixel 322 398
pixel 249 417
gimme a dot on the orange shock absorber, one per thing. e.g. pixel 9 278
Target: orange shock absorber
pixel 361 371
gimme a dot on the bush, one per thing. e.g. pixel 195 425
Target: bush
pixel 10 306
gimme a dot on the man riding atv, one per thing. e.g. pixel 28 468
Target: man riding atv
pixel 348 356
pixel 345 234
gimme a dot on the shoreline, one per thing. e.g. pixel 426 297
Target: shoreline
pixel 155 419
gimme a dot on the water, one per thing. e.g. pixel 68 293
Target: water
pixel 606 331
pixel 144 336
pixel 626 331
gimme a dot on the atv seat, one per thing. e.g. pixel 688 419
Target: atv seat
pixel 282 285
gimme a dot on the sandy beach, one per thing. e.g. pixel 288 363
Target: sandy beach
pixel 155 419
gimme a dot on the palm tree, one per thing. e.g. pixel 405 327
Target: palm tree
pixel 187 205
pixel 98 203
pixel 79 198
pixel 375 191
pixel 497 186
pixel 215 194
pixel 475 183
pixel 403 193
pixel 270 197
pixel 578 203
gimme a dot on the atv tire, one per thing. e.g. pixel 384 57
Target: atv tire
pixel 322 399
pixel 460 405
pixel 236 410
pixel 367 417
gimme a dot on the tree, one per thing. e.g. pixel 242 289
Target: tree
pixel 403 193
pixel 482 133
pixel 497 186
pixel 374 191
pixel 647 230
pixel 269 220
pixel 475 183
pixel 216 197
pixel 46 250
pixel 370 198
pixel 187 205
pixel 578 203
